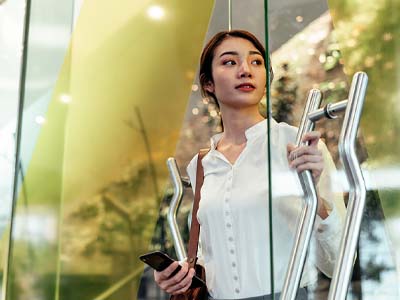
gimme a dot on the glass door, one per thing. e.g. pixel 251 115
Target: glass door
pixel 321 45
pixel 94 142
pixel 11 44
pixel 110 92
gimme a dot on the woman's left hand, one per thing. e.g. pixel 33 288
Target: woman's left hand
pixel 307 157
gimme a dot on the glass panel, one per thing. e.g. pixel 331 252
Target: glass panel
pixel 33 257
pixel 301 40
pixel 103 110
pixel 321 46
pixel 99 192
pixel 88 202
pixel 11 26
pixel 128 84
pixel 202 121
pixel 369 41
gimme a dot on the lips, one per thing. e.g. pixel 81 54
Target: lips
pixel 245 86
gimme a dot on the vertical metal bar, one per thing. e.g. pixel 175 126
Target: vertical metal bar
pixel 269 116
pixel 357 194
pixel 22 81
pixel 173 208
pixel 229 15
pixel 307 217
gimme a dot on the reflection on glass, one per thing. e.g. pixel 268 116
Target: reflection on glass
pixel 33 261
pixel 201 122
pixel 92 170
pixel 11 25
pixel 124 116
pixel 325 54
pixel 367 39
pixel 95 136
pixel 299 65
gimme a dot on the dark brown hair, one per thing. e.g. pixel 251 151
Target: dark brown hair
pixel 207 56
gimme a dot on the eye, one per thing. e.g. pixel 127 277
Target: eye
pixel 257 62
pixel 229 62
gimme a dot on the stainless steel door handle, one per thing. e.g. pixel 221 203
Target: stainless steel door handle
pixel 173 208
pixel 309 211
pixel 351 231
pixel 357 194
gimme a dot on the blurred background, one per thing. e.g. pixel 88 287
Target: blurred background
pixel 96 95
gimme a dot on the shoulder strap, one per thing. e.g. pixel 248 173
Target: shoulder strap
pixel 195 226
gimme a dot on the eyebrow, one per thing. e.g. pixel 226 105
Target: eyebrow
pixel 236 53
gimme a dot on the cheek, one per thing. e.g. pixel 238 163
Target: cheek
pixel 263 77
pixel 221 82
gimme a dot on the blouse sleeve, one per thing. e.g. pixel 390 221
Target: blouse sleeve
pixel 191 171
pixel 328 231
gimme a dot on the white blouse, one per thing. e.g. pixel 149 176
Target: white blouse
pixel 233 216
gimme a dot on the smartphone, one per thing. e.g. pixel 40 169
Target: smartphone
pixel 160 261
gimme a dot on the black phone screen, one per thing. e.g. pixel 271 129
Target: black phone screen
pixel 160 261
pixel 157 260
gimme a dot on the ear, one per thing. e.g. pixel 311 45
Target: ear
pixel 209 87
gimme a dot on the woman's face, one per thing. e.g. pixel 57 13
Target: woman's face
pixel 239 75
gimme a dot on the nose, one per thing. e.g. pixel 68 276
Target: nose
pixel 244 70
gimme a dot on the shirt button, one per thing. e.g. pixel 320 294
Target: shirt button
pixel 237 291
pixel 229 225
pixel 227 213
pixel 233 264
pixel 235 277
pixel 231 239
pixel 232 251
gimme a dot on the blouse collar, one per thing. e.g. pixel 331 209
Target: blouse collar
pixel 251 133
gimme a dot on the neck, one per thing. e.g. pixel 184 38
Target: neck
pixel 237 121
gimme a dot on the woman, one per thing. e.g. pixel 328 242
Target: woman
pixel 233 211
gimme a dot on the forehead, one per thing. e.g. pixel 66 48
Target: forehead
pixel 236 44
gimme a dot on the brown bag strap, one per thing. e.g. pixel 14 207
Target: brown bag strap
pixel 195 227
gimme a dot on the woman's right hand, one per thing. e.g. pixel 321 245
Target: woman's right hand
pixel 177 284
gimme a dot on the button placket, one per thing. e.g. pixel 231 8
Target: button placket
pixel 230 233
